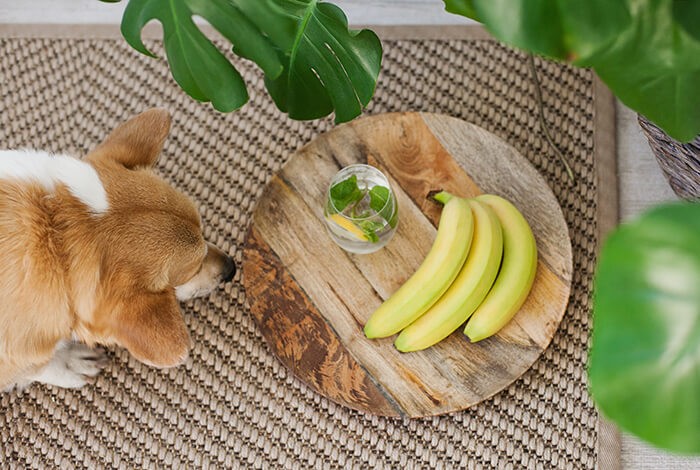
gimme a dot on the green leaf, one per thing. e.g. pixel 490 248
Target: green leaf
pixel 654 68
pixel 644 365
pixel 326 66
pixel 345 192
pixel 687 14
pixel 196 64
pixel 370 227
pixel 313 64
pixel 561 29
pixel 378 198
pixel 646 51
pixel 462 7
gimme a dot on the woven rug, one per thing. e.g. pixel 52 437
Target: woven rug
pixel 232 405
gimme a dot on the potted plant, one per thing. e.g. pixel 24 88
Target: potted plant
pixel 646 51
pixel 313 64
pixel 644 365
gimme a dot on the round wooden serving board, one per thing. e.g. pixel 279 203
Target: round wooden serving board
pixel 311 299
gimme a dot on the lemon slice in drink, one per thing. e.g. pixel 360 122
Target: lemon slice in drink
pixel 349 226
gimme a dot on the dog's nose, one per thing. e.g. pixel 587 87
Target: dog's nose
pixel 229 269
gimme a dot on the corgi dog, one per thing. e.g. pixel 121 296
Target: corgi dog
pixel 97 251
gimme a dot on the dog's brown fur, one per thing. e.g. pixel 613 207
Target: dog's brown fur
pixel 105 278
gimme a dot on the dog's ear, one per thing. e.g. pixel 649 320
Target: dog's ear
pixel 137 142
pixel 151 327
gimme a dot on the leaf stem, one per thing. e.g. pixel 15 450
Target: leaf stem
pixel 543 121
pixel 353 209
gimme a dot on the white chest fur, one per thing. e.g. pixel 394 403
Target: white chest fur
pixel 46 169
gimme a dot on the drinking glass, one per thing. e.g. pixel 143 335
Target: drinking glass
pixel 361 213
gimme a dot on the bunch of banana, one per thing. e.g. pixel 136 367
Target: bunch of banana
pixel 489 275
pixel 432 278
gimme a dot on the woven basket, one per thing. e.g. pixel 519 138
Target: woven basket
pixel 679 162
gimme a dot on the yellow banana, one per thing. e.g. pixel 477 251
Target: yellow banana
pixel 516 276
pixel 432 278
pixel 468 289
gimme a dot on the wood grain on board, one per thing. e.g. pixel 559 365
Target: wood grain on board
pixel 311 298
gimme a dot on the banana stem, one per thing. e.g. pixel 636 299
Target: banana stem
pixel 440 196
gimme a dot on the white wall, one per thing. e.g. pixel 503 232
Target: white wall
pixel 95 11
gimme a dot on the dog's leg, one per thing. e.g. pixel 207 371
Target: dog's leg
pixel 71 365
pixel 10 376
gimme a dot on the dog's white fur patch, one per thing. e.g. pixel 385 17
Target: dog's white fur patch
pixel 70 365
pixel 46 169
pixel 198 286
pixel 194 288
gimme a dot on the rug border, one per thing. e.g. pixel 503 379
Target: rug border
pixel 609 439
pixel 609 442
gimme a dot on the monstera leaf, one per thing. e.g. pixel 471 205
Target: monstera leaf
pixel 644 365
pixel 313 63
pixel 687 14
pixel 646 51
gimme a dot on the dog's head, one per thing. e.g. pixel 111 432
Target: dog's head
pixel 152 251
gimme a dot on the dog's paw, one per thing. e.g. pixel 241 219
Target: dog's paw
pixel 71 365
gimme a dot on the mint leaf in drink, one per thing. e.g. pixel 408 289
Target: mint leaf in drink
pixel 345 193
pixel 378 198
pixel 370 228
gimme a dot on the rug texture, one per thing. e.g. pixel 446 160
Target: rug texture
pixel 232 405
